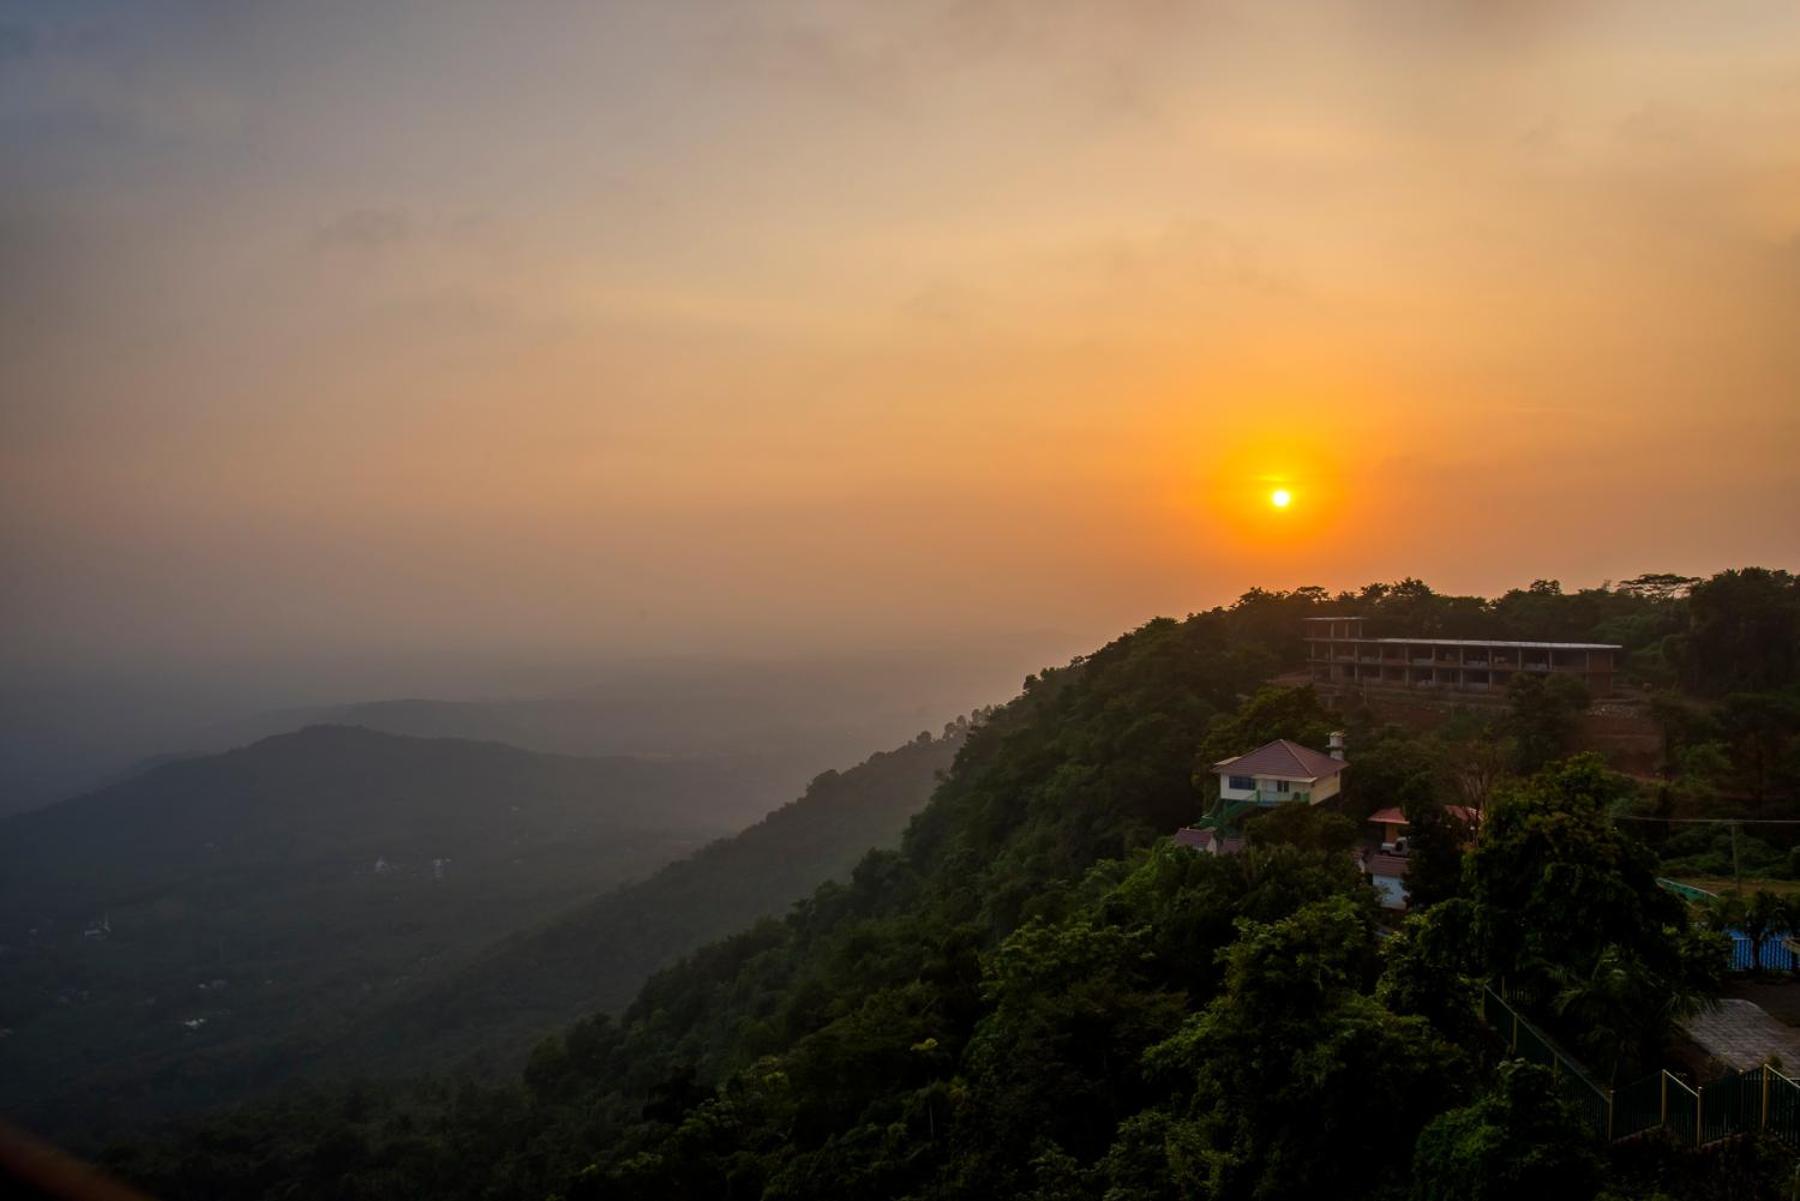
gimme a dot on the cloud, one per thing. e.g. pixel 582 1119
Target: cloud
pixel 365 231
pixel 942 304
pixel 848 65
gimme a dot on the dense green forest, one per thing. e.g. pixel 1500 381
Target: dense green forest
pixel 161 937
pixel 309 962
pixel 598 954
pixel 1039 995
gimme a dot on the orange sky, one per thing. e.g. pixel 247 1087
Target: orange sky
pixel 562 328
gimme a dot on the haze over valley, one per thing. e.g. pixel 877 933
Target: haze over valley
pixel 920 600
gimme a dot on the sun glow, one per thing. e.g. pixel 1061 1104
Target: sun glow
pixel 1281 498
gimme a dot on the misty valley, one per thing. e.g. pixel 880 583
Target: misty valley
pixel 900 600
pixel 344 962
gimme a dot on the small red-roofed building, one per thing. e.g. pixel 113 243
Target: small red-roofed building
pixel 1276 773
pixel 1386 866
pixel 1393 823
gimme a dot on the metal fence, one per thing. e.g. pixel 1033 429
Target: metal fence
pixel 1643 1105
pixel 1760 1098
pixel 1776 955
pixel 1593 1101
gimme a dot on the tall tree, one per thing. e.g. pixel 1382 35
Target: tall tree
pixel 1543 712
pixel 1516 1141
pixel 1295 1070
pixel 1761 726
pixel 1556 883
pixel 1744 632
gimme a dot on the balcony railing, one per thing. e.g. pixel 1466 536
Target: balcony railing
pixel 1269 796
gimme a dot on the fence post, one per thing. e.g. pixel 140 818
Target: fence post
pixel 1609 1115
pixel 1662 1118
pixel 1514 1050
pixel 1699 1108
pixel 1764 1069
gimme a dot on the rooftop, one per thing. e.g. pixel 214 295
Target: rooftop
pixel 1282 759
pixel 1202 840
pixel 1382 864
pixel 1393 815
pixel 1546 646
pixel 1559 646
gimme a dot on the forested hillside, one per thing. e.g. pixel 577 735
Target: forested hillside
pixel 160 937
pixel 598 955
pixel 1038 995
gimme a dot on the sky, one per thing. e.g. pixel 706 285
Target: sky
pixel 355 349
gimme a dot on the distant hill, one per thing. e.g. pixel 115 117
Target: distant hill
pixel 772 726
pixel 157 935
pixel 772 723
pixel 597 955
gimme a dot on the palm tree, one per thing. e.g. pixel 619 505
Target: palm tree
pixel 1600 1008
pixel 1619 1008
pixel 1726 914
pixel 1766 915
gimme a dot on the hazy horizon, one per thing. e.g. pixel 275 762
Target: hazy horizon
pixel 355 351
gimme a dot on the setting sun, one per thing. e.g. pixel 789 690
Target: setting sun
pixel 1281 498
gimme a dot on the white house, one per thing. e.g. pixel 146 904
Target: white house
pixel 1277 773
pixel 1282 771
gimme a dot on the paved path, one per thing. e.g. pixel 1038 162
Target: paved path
pixel 1744 1034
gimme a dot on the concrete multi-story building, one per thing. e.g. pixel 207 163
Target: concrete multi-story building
pixel 1339 654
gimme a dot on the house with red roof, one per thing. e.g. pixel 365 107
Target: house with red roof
pixel 1285 773
pixel 1386 865
pixel 1278 773
pixel 1282 771
pixel 1393 823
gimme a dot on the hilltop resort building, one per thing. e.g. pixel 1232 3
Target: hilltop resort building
pixel 1339 656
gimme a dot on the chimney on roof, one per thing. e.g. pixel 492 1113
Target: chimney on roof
pixel 1337 744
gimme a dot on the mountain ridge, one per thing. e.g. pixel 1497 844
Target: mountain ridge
pixel 298 879
pixel 595 957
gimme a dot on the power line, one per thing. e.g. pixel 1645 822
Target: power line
pixel 1720 821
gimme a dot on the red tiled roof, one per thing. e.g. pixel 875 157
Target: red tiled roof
pixel 1202 840
pixel 1380 864
pixel 1394 816
pixel 1284 760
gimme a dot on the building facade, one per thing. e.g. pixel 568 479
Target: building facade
pixel 1340 655
pixel 1281 771
pixel 1277 773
